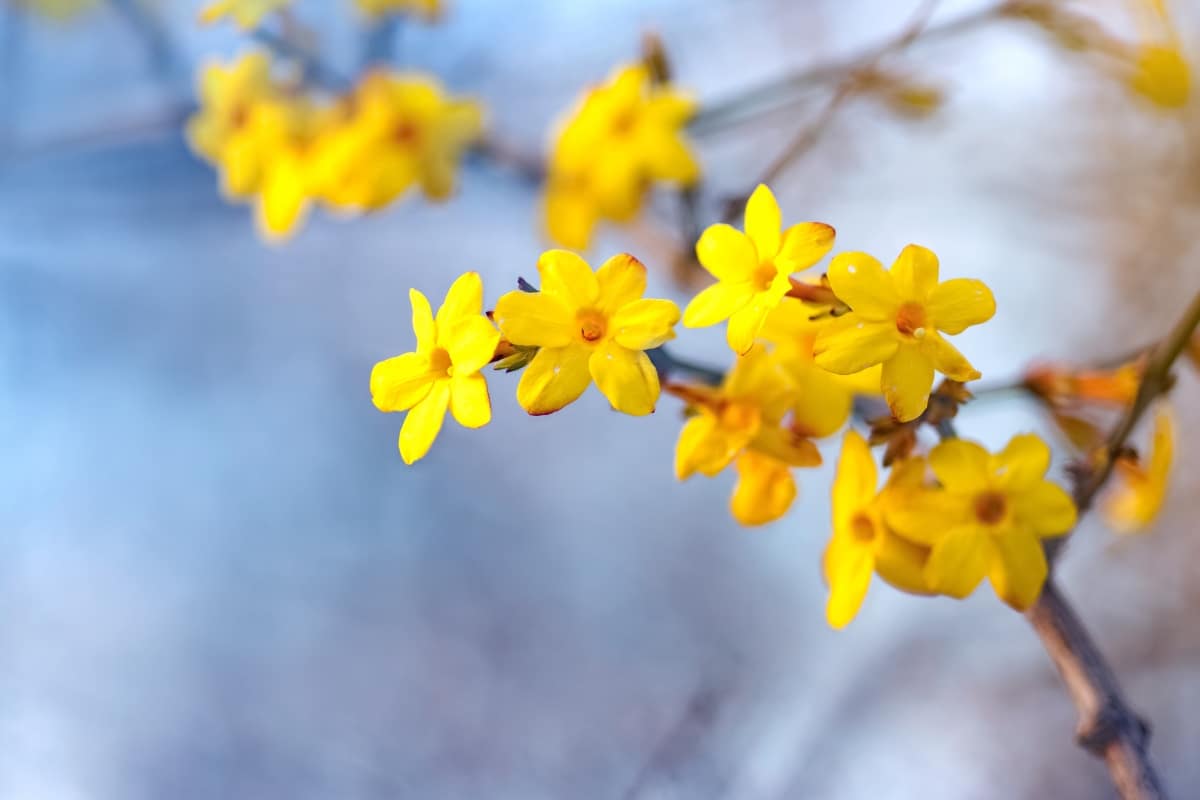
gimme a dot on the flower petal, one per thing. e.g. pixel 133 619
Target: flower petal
pixel 1023 462
pixel 716 303
pixel 423 423
pixel 907 380
pixel 747 321
pixel 644 324
pixel 763 222
pixel 961 466
pixel 554 378
pixel 764 491
pixel 1019 569
pixel 786 447
pixel 1045 508
pixel 463 299
pixel 626 377
pixel 959 561
pixel 956 304
pixel 915 272
pixel 422 321
pixel 704 447
pixel 901 563
pixel 847 568
pixel 398 384
pixel 854 484
pixel 469 400
pixel 851 344
pixel 622 279
pixel 727 253
pixel 947 359
pixel 534 319
pixel 568 277
pixel 471 342
pixel 923 516
pixel 803 245
pixel 860 281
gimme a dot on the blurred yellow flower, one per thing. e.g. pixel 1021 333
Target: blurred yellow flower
pixel 428 9
pixel 1138 497
pixel 589 326
pixel 823 401
pixel 260 137
pixel 443 372
pixel 248 14
pixel 861 543
pixel 753 269
pixel 58 10
pixel 1158 70
pixel 401 130
pixel 897 320
pixel 987 519
pixel 622 137
pixel 743 421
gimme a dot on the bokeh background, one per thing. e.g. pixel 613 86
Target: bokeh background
pixel 218 579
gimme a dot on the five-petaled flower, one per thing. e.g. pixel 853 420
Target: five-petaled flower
pixel 753 269
pixel 588 326
pixel 897 320
pixel 743 421
pixel 988 518
pixel 862 544
pixel 443 371
pixel 1142 488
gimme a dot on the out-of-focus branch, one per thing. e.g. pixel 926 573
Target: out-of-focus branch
pixel 1108 727
pixel 778 92
pixel 1155 381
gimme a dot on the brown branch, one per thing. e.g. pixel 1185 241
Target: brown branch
pixel 1108 727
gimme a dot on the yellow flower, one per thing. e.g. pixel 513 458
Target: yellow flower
pixel 1139 497
pixel 823 400
pixel 248 14
pixel 443 372
pixel 1158 70
pixel 753 269
pixel 229 96
pixel 743 421
pixel 897 321
pixel 589 326
pixel 428 9
pixel 861 543
pixel 402 130
pixel 58 10
pixel 987 519
pixel 623 137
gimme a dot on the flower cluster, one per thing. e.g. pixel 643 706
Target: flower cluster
pixel 284 148
pixel 622 137
pixel 982 515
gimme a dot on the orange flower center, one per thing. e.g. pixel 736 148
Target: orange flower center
pixel 910 320
pixel 862 528
pixel 592 325
pixel 440 363
pixel 738 416
pixel 623 123
pixel 406 134
pixel 765 275
pixel 991 507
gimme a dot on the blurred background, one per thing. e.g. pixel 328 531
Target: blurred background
pixel 218 579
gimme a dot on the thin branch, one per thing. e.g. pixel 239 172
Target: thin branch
pixel 776 92
pixel 1108 727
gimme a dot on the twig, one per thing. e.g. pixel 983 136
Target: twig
pixel 668 363
pixel 1108 727
pixel 774 93
pixel 808 136
pixel 1155 381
